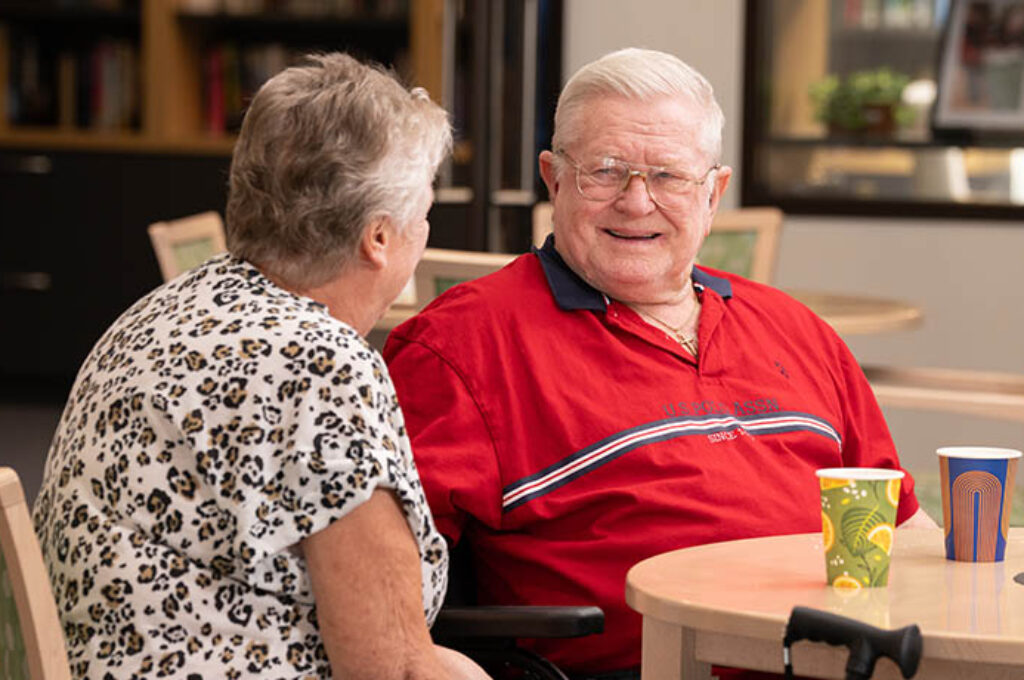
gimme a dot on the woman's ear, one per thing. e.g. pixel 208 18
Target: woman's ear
pixel 376 241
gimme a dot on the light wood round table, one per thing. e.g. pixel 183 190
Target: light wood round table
pixel 728 603
pixel 859 314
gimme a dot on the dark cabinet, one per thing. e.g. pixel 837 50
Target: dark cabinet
pixel 75 250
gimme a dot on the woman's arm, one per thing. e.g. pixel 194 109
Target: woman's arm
pixel 365 574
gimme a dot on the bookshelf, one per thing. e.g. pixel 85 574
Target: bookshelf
pixel 171 76
pixel 76 197
pixel 78 189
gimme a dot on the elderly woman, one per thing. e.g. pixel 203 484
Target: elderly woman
pixel 230 492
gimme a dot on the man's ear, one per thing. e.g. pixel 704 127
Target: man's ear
pixel 375 241
pixel 722 176
pixel 549 173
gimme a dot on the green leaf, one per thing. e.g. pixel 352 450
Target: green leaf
pixel 841 101
pixel 856 524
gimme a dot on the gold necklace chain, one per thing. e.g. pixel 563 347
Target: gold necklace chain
pixel 688 341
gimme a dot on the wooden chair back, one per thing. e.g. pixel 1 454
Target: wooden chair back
pixel 31 637
pixel 744 241
pixel 440 269
pixel 437 271
pixel 542 213
pixel 185 243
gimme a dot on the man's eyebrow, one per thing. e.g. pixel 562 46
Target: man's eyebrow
pixel 667 162
pixel 677 165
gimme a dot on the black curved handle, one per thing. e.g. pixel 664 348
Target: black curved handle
pixel 866 642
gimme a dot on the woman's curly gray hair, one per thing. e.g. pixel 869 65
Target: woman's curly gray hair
pixel 324 149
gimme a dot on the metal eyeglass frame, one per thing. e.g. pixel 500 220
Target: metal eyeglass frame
pixel 631 172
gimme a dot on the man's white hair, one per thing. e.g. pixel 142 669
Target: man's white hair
pixel 638 74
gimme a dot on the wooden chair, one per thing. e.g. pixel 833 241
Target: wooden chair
pixel 542 214
pixel 743 241
pixel 439 270
pixel 185 243
pixel 31 637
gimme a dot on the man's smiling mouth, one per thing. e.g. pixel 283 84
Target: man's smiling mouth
pixel 632 237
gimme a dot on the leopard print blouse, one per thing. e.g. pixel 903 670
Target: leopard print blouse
pixel 216 424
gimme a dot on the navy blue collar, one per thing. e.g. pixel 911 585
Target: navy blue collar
pixel 571 292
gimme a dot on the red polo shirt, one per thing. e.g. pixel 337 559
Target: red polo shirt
pixel 567 439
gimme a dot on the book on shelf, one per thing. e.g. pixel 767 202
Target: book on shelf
pixel 232 74
pixel 232 83
pixel 67 90
pixel 113 86
pixel 93 86
pixel 382 9
pixel 31 85
pixel 213 90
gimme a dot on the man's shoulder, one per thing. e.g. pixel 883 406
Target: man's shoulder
pixel 754 292
pixel 784 311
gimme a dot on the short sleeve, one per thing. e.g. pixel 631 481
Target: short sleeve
pixel 309 439
pixel 867 441
pixel 451 442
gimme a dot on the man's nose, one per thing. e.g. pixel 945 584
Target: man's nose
pixel 636 197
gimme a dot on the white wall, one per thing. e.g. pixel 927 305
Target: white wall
pixel 706 34
pixel 968 276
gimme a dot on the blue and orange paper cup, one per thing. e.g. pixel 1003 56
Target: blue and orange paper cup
pixel 977 491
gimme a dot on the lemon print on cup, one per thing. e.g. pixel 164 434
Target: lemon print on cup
pixel 846 582
pixel 892 492
pixel 858 519
pixel 828 531
pixel 882 536
pixel 833 483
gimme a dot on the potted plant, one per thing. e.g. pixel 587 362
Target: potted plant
pixel 864 102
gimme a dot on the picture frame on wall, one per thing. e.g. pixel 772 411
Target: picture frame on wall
pixel 981 68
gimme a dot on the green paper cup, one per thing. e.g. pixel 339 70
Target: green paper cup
pixel 858 524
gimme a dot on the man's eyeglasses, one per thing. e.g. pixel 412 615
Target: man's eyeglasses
pixel 605 178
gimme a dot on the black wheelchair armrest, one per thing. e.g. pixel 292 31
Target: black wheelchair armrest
pixel 517 622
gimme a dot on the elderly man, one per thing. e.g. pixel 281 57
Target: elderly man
pixel 602 400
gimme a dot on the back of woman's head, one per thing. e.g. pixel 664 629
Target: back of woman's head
pixel 324 149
